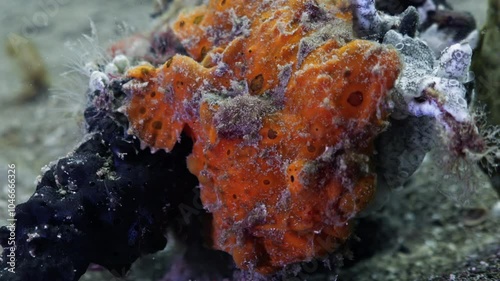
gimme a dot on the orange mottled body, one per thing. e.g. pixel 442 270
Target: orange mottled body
pixel 283 105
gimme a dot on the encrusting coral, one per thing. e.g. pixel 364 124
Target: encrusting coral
pixel 283 106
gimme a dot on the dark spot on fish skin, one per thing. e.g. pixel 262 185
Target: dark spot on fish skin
pixel 355 98
pixel 198 19
pixel 256 84
pixel 157 125
pixel 169 62
pixel 272 134
pixel 204 51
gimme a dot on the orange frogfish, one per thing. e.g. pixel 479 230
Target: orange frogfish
pixel 283 104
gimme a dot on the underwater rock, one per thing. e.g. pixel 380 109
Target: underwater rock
pixel 485 64
pixel 108 202
pixel 486 61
